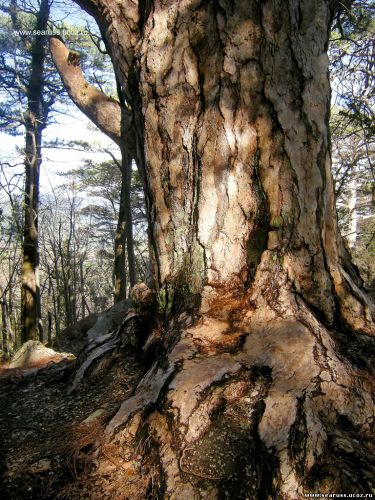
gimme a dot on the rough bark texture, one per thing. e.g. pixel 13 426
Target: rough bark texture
pixel 232 103
pixel 35 120
pixel 235 103
pixel 265 392
pixel 124 243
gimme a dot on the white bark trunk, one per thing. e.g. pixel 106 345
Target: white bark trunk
pixel 352 212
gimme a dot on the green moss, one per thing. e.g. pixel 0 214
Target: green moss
pixel 287 216
pixel 279 138
pixel 164 301
pixel 277 258
pixel 168 39
pixel 276 222
pixel 287 164
pixel 191 270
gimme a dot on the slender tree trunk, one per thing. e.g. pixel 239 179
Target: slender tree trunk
pixel 82 288
pixel 262 387
pixel 127 175
pixel 115 120
pixel 352 211
pixel 120 285
pixel 11 341
pixel 66 276
pixel 49 331
pixel 57 311
pixel 49 302
pixel 124 233
pixel 56 291
pixel 4 327
pixel 30 298
pixel 34 122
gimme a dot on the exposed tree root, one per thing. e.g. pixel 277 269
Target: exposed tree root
pixel 256 403
pixel 99 347
pixel 254 398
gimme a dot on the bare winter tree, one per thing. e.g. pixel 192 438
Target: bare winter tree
pixel 35 121
pixel 263 390
pixel 29 93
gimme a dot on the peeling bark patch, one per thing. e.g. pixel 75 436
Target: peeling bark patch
pixel 213 336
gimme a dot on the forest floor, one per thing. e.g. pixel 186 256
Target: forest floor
pixel 51 442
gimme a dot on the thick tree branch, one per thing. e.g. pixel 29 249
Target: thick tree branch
pixel 102 110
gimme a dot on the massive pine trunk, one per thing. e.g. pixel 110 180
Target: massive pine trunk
pixel 235 102
pixel 262 390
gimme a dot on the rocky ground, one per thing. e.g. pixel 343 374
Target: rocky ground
pixel 51 442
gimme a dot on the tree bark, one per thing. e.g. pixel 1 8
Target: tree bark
pixel 30 298
pixel 35 121
pixel 263 391
pixel 236 151
pixel 82 288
